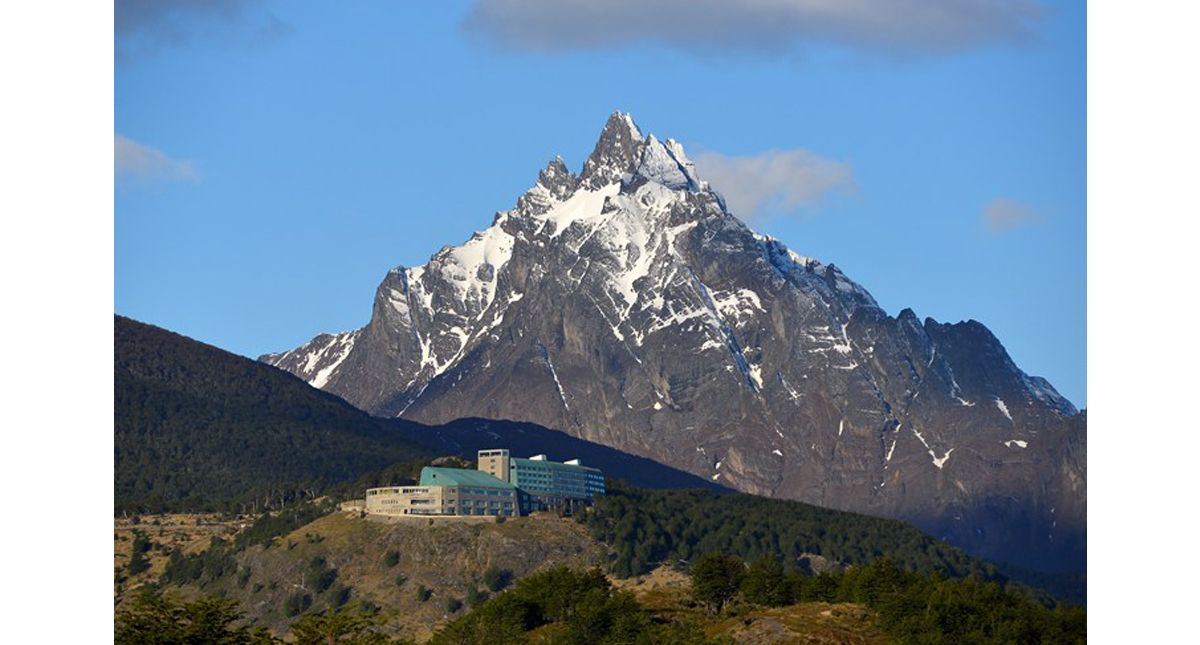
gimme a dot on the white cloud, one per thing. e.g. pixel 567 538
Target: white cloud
pixel 135 160
pixel 774 181
pixel 1002 215
pixel 886 26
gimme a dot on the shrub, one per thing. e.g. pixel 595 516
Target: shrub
pixel 339 595
pixel 319 577
pixel 141 544
pixel 296 603
pixel 453 605
pixel 391 558
pixel 496 579
pixel 581 606
pixel 475 596
pixel 423 594
pixel 138 563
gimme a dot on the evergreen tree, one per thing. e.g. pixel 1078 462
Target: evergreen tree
pixel 765 583
pixel 161 620
pixel 716 579
pixel 337 627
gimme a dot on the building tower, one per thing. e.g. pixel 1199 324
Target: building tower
pixel 495 463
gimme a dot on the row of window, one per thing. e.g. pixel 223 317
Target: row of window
pixel 396 491
pixel 465 511
pixel 500 492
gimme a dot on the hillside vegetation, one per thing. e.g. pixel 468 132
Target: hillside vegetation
pixel 411 577
pixel 726 601
pixel 648 528
pixel 198 428
pixel 407 573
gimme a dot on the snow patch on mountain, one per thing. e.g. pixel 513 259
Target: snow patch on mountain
pixel 940 461
pixel 554 373
pixel 583 206
pixel 660 165
pixel 1003 408
pixel 343 344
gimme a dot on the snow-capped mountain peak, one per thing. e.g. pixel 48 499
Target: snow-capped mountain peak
pixel 626 305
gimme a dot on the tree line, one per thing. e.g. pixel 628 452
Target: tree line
pixel 648 528
pixel 155 619
pixel 911 607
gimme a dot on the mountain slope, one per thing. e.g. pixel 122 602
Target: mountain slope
pixel 626 306
pixel 197 427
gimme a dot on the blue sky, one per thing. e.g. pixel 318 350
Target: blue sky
pixel 275 159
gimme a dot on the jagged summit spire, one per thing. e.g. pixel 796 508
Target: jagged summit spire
pixel 617 151
pixel 622 121
pixel 623 149
pixel 557 179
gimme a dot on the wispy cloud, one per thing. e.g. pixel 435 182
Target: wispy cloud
pixel 144 27
pixel 777 181
pixel 137 161
pixel 1002 215
pixel 901 27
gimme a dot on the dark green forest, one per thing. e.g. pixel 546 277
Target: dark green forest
pixel 200 429
pixel 648 528
pixel 912 607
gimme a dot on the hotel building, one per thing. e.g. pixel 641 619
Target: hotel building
pixel 501 486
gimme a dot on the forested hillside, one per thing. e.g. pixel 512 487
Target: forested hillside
pixel 198 428
pixel 649 528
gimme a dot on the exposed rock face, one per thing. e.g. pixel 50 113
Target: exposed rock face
pixel 628 307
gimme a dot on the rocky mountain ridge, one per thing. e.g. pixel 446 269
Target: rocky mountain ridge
pixel 625 305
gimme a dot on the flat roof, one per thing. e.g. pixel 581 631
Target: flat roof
pixel 518 461
pixel 436 476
